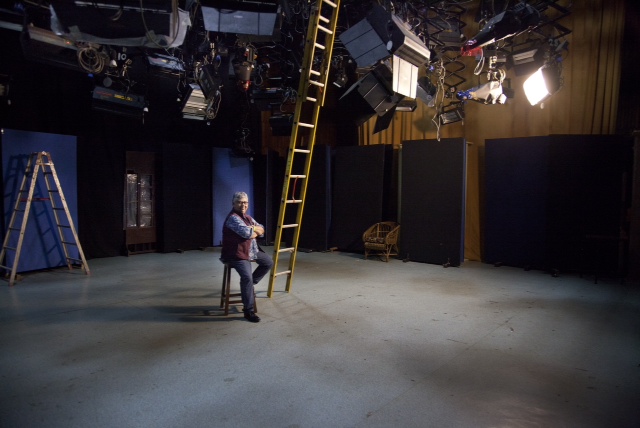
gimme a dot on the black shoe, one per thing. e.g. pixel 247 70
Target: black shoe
pixel 251 316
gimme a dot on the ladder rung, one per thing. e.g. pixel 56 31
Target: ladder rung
pixel 10 248
pixel 287 272
pixel 65 225
pixel 6 267
pixel 323 19
pixel 53 190
pixel 285 250
pixel 316 73
pixel 319 46
pixel 297 176
pixel 330 3
pixel 57 208
pixel 326 30
pixel 293 201
pixel 313 100
pixel 39 199
pixel 68 243
pixel 14 228
pixel 314 82
pixel 287 226
pixel 302 151
pixel 74 259
pixel 306 125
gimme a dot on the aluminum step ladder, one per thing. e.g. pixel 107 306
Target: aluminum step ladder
pixel 40 161
pixel 314 76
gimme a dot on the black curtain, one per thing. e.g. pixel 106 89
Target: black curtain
pixel 101 164
pixel 358 193
pixel 432 208
pixel 185 206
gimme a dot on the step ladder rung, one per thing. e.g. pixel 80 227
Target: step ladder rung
pixel 319 46
pixel 297 176
pixel 14 228
pixel 289 226
pixel 330 3
pixel 68 243
pixel 293 201
pixel 302 150
pixel 314 72
pixel 325 20
pixel 6 267
pixel 313 100
pixel 74 259
pixel 286 250
pixel 315 82
pixel 284 272
pixel 65 225
pixel 10 248
pixel 306 125
pixel 326 30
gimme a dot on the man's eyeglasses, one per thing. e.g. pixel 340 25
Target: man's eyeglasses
pixel 242 202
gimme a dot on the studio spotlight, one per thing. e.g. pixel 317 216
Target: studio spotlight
pixel 504 25
pixel 341 79
pixel 451 114
pixel 526 61
pixel 195 103
pixel 488 93
pixel 543 83
pixel 426 91
pixel 243 74
pixel 407 105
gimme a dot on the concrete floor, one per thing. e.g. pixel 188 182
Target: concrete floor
pixel 355 344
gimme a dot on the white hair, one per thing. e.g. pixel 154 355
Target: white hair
pixel 239 195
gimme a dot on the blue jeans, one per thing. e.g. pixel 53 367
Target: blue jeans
pixel 248 278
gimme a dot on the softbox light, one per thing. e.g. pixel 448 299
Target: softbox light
pixel 542 84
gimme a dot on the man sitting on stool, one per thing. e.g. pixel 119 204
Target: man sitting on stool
pixel 239 249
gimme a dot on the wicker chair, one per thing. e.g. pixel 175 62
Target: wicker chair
pixel 381 239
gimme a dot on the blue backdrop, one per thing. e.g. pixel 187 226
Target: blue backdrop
pixel 41 246
pixel 230 175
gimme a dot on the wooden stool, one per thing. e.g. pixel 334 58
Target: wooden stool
pixel 227 297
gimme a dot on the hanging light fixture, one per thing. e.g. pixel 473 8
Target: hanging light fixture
pixel 545 82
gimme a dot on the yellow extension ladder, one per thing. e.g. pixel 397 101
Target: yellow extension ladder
pixel 66 230
pixel 311 93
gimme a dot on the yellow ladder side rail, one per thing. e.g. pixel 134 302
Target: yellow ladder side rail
pixel 293 141
pixel 306 82
pixel 330 37
pixel 324 73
